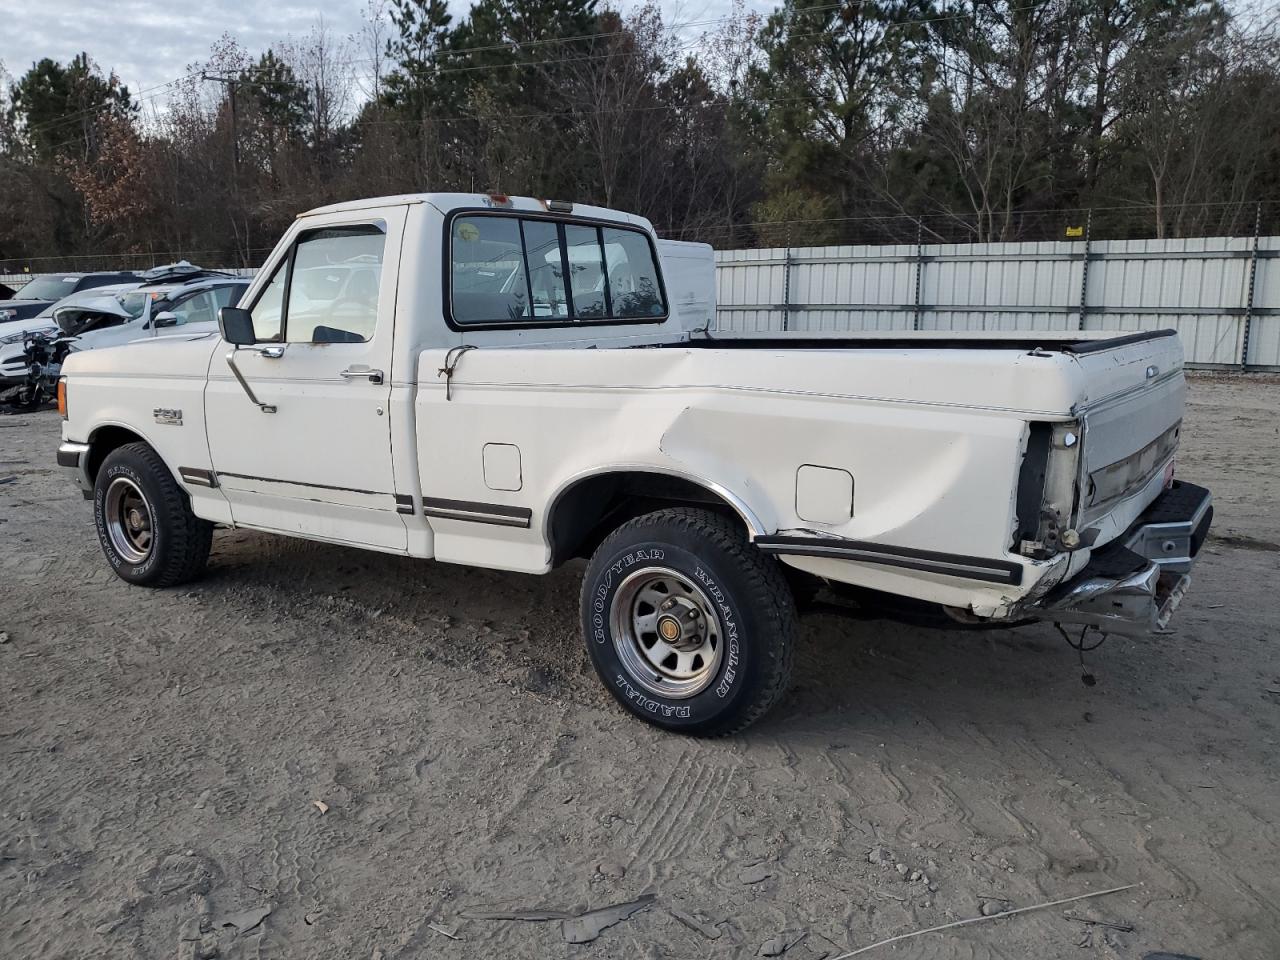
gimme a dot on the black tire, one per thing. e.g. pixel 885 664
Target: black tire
pixel 178 541
pixel 26 400
pixel 749 665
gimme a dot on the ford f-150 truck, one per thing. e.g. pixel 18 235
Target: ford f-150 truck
pixel 514 383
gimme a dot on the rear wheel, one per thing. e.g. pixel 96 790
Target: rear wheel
pixel 688 625
pixel 145 524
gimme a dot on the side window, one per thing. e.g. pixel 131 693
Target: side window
pixel 333 285
pixel 512 269
pixel 634 289
pixel 587 279
pixel 227 295
pixel 268 311
pixel 488 281
pixel 198 308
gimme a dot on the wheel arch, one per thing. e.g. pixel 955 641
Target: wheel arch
pixel 588 505
pixel 107 437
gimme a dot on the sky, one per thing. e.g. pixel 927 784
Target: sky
pixel 151 42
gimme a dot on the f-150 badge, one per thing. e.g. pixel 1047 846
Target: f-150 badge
pixel 167 415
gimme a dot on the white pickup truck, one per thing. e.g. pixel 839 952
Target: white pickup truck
pixel 513 383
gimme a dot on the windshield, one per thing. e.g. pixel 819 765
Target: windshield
pixel 48 288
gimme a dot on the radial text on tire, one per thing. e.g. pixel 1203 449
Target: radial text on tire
pixel 688 625
pixel 145 524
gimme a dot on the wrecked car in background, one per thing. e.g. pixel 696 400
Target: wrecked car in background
pixel 37 295
pixel 167 298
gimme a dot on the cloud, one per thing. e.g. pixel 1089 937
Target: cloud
pixel 151 43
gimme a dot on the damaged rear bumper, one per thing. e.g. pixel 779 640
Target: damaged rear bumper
pixel 1135 584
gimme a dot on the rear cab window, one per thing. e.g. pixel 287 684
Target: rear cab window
pixel 510 269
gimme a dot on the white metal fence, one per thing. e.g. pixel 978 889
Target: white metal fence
pixel 1222 294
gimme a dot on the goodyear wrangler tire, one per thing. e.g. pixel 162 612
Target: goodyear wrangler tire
pixel 688 625
pixel 145 524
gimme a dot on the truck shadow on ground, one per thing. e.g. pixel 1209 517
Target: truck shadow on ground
pixel 850 675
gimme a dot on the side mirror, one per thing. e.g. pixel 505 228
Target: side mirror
pixel 236 326
pixel 165 318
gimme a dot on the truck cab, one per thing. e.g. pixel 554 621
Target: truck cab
pixel 512 383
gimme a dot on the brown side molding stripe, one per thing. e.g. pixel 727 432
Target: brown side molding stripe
pixel 404 503
pixel 929 561
pixel 477 512
pixel 300 483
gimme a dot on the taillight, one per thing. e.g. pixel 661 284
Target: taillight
pixel 62 397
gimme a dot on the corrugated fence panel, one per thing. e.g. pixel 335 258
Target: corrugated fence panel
pixel 1205 339
pixel 748 284
pixel 1000 286
pixel 1197 286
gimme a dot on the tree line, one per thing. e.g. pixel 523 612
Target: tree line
pixel 891 121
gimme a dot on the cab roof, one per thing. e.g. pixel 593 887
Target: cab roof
pixel 448 202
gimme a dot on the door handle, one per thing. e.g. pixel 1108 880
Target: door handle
pixel 361 372
pixel 271 353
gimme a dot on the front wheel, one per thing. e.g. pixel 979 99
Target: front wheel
pixel 688 625
pixel 145 524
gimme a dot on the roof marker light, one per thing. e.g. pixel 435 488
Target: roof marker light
pixel 558 206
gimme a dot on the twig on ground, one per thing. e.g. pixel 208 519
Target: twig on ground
pixel 1122 927
pixel 995 916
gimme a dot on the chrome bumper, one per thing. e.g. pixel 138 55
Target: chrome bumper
pixel 1170 532
pixel 73 458
pixel 1134 585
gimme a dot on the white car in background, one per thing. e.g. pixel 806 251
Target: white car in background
pixel 149 310
pixel 118 314
pixel 13 362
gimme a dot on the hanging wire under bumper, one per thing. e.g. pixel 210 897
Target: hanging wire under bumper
pixel 1134 585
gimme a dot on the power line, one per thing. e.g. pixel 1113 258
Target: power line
pixel 614 54
pixel 72 117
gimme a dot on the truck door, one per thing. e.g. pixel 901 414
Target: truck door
pixel 311 453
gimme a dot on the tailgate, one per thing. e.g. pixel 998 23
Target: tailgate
pixel 1131 422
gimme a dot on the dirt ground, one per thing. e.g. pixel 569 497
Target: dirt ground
pixel 163 752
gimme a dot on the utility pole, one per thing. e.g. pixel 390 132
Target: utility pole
pixel 231 83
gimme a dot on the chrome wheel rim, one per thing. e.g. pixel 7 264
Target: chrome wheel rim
pixel 129 523
pixel 666 632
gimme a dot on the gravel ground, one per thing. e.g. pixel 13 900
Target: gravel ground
pixel 317 752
